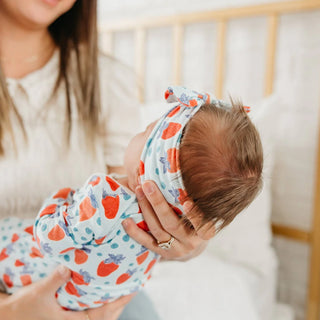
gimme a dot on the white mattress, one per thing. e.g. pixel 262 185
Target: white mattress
pixel 210 288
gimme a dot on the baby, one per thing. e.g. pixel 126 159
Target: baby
pixel 202 150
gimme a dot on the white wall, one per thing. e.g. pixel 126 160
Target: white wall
pixel 297 80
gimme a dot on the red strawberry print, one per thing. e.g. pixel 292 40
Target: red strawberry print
pixel 7 280
pixel 62 194
pixel 113 184
pixel 142 225
pixel 167 94
pixel 14 238
pixel 247 109
pixel 111 206
pixel 35 253
pixel 48 210
pixel 182 196
pixel 125 276
pixel 141 168
pixel 71 289
pixel 86 209
pixel 208 99
pixel 99 241
pixel 25 279
pixel 150 265
pixel 80 256
pixel 29 230
pixel 193 103
pixel 173 112
pixel 18 263
pixel 38 240
pixel 65 218
pixel 109 265
pixel 173 159
pixel 95 182
pixel 3 254
pixel 142 257
pixel 83 305
pixel 101 301
pixel 171 130
pixel 66 250
pixel 56 233
pixel 77 278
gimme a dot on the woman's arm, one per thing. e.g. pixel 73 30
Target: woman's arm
pixel 37 302
pixel 163 223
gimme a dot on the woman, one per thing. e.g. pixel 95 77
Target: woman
pixel 57 125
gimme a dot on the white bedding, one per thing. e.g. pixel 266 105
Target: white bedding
pixel 210 288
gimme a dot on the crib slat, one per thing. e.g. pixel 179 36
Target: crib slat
pixel 271 53
pixel 140 58
pixel 313 305
pixel 228 13
pixel 177 52
pixel 291 233
pixel 107 43
pixel 220 58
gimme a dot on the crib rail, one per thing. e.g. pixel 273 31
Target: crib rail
pixel 178 22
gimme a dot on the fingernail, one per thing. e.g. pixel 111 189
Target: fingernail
pixel 139 193
pixel 148 187
pixel 187 206
pixel 64 271
pixel 125 222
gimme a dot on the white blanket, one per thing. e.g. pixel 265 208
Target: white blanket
pixel 210 288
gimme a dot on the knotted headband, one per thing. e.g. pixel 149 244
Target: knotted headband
pixel 160 157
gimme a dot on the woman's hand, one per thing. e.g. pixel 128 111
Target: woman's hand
pixel 37 302
pixel 163 223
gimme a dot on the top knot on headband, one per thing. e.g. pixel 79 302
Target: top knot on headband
pixel 160 157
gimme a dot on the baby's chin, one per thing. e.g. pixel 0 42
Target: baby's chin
pixel 133 182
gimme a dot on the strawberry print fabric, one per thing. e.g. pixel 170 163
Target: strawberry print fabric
pixel 82 230
pixel 160 157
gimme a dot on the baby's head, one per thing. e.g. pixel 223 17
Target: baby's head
pixel 205 151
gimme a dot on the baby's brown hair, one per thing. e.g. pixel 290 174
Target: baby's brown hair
pixel 221 161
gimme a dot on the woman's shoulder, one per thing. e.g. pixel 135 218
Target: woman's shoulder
pixel 110 68
pixel 110 64
pixel 118 82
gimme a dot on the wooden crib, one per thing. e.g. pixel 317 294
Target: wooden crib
pixel 221 17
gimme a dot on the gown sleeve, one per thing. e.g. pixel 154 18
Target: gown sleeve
pixel 72 218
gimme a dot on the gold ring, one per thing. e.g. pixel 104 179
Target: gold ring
pixel 166 245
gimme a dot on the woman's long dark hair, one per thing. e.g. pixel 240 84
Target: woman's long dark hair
pixel 75 34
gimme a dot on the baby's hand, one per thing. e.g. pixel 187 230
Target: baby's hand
pixel 163 223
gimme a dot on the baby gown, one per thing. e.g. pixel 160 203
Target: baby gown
pixel 82 230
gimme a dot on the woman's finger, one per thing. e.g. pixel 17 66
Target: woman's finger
pixel 206 231
pixel 150 217
pixel 141 236
pixel 176 251
pixel 56 279
pixel 168 219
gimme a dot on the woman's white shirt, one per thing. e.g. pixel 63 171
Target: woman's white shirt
pixel 44 164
